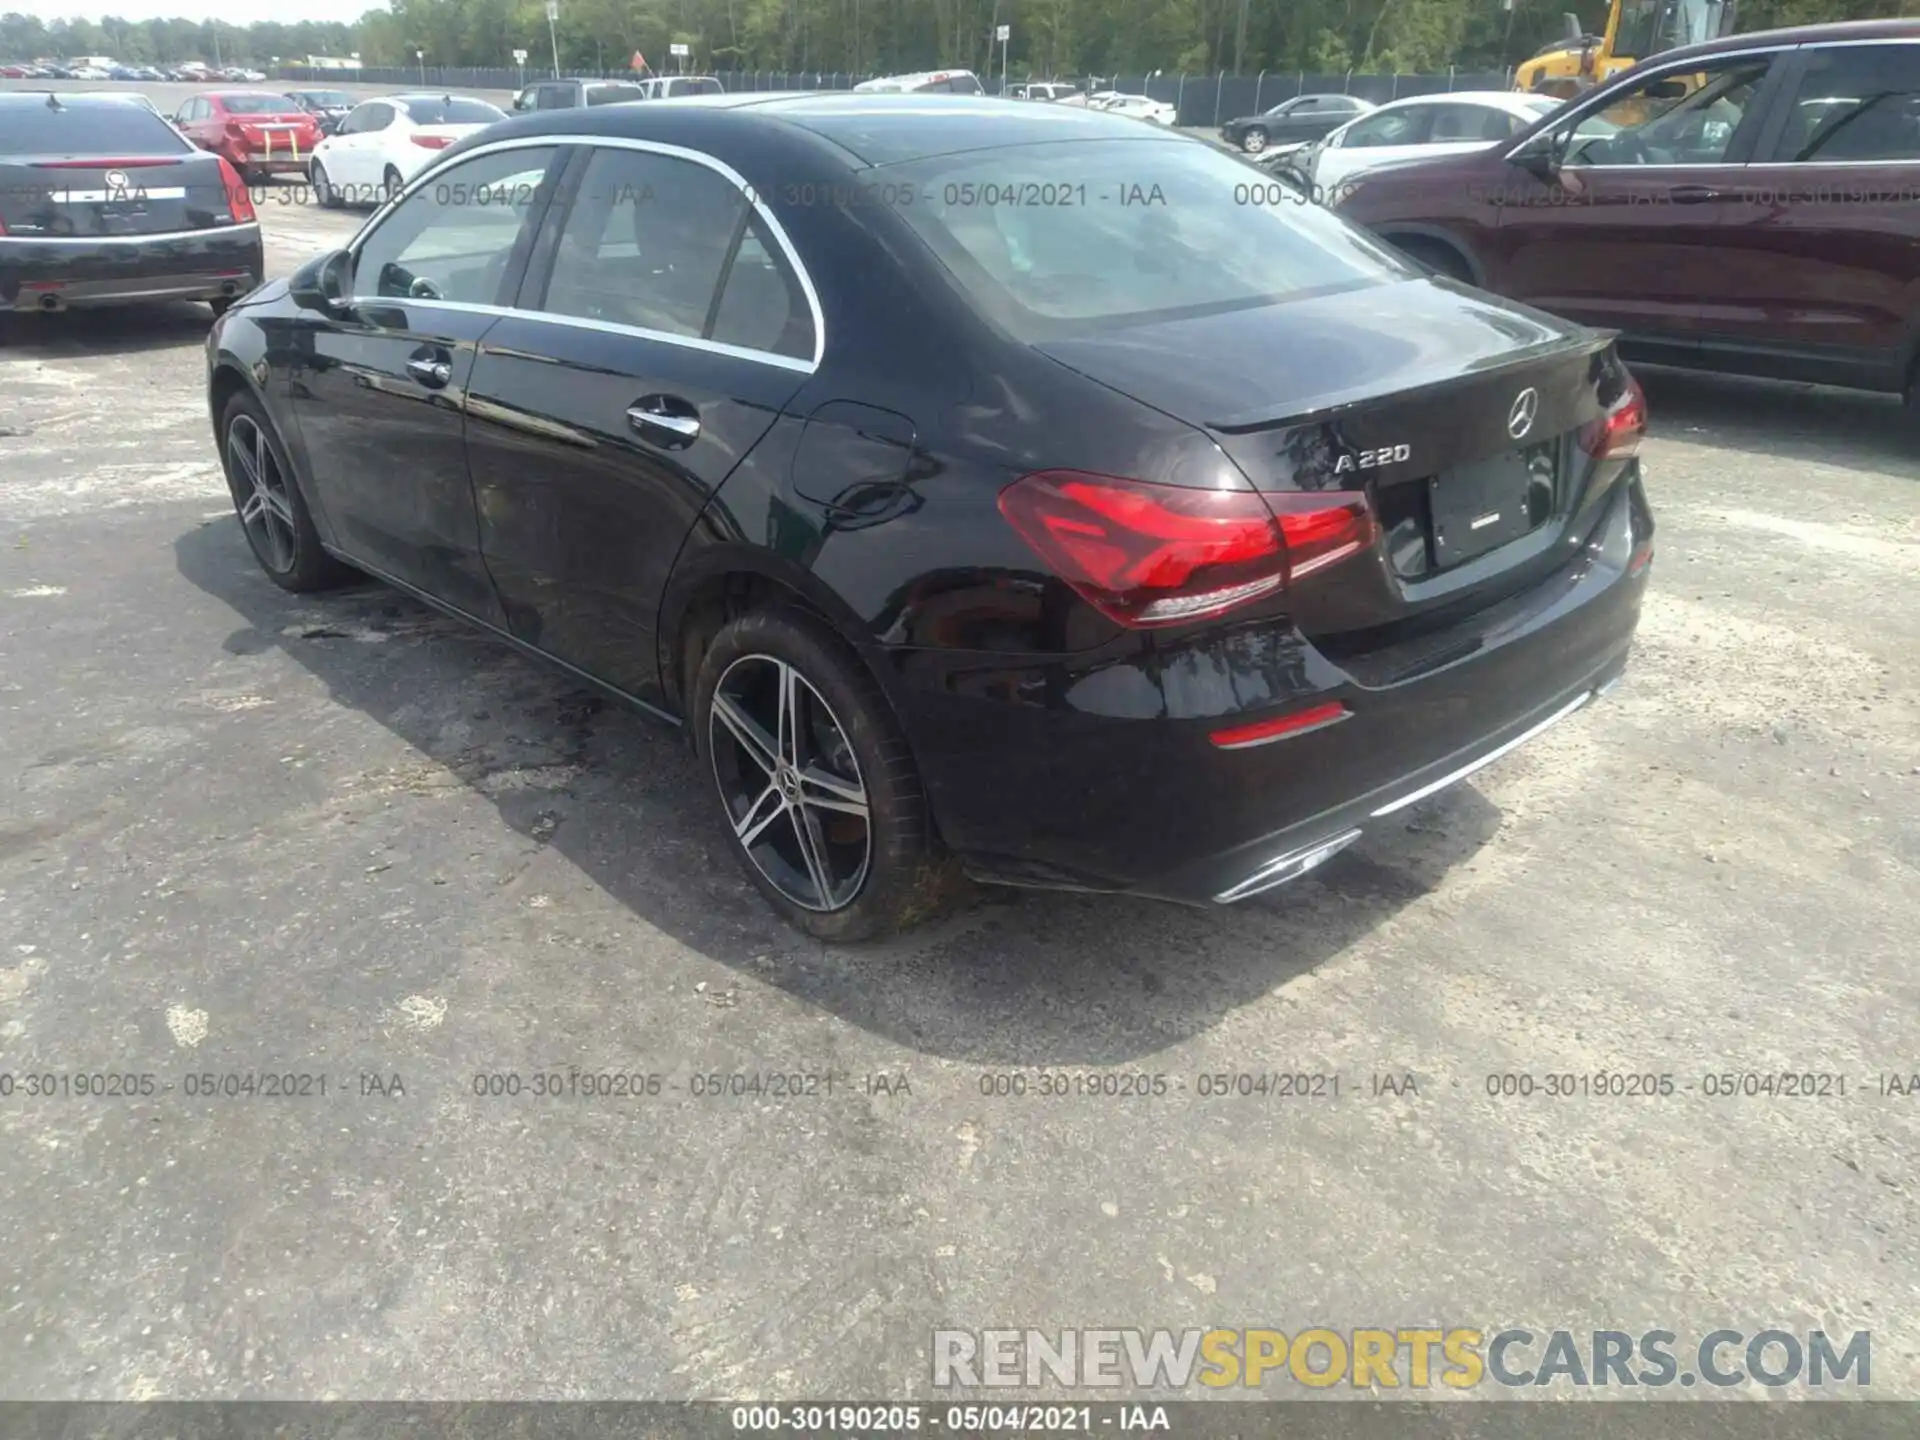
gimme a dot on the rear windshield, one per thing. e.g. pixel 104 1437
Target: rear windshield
pixel 696 87
pixel 258 104
pixel 110 128
pixel 1065 238
pixel 614 94
pixel 452 112
pixel 325 97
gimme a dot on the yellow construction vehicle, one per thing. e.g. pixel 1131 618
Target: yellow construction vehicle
pixel 1635 30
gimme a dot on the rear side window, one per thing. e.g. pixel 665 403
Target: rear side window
pixel 1391 127
pixel 114 128
pixel 762 306
pixel 1061 239
pixel 1858 103
pixel 644 243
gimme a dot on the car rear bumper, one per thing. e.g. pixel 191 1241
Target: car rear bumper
pixel 1036 789
pixel 38 274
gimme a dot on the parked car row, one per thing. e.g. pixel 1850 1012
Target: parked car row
pixel 47 70
pixel 573 94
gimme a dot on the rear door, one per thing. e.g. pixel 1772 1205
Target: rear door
pixel 1629 234
pixel 379 393
pixel 661 329
pixel 1824 255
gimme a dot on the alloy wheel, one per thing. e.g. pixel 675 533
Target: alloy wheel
pixel 791 783
pixel 260 492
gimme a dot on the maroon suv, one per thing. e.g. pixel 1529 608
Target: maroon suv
pixel 1749 205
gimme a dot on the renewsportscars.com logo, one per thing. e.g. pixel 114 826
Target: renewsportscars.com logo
pixel 1403 1358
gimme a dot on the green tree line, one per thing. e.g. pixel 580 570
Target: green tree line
pixel 1050 37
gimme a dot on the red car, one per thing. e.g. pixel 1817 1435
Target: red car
pixel 259 133
pixel 1747 205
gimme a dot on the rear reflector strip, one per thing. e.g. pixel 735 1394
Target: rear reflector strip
pixel 1265 732
pixel 1453 777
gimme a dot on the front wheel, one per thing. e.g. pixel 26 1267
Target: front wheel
pixel 268 501
pixel 323 190
pixel 818 790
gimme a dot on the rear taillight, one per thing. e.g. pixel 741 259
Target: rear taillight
pixel 239 201
pixel 1616 434
pixel 1145 554
pixel 431 142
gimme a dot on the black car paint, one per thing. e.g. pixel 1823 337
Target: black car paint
pixel 1294 128
pixel 1057 748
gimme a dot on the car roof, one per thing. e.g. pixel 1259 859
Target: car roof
pixel 1844 30
pixel 408 97
pixel 872 129
pixel 1514 101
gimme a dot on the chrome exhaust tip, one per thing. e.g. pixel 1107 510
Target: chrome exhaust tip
pixel 49 303
pixel 1288 867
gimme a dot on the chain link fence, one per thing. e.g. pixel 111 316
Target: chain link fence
pixel 1201 100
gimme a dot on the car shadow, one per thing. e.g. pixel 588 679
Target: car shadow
pixel 1779 418
pixel 109 330
pixel 1026 978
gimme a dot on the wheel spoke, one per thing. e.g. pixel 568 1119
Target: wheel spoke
pixel 790 715
pixel 759 745
pixel 277 503
pixel 760 814
pixel 251 511
pixel 261 460
pixel 842 796
pixel 813 850
pixel 237 448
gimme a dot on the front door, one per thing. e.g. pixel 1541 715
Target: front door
pixel 379 393
pixel 661 331
pixel 1628 234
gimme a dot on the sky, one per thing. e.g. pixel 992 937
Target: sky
pixel 234 12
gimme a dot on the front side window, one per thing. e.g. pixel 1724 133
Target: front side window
pixel 1118 234
pixel 1856 104
pixel 451 239
pixel 1670 119
pixel 1389 127
pixel 644 243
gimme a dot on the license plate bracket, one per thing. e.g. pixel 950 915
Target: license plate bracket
pixel 1483 505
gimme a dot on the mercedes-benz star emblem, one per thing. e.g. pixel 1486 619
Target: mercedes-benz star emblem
pixel 116 179
pixel 1526 405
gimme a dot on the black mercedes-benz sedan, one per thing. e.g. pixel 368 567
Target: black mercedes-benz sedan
pixel 981 485
pixel 102 202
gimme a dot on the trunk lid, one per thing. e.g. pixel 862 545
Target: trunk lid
pixel 59 197
pixel 289 134
pixel 1412 393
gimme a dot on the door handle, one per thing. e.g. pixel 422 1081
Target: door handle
pixel 666 420
pixel 1692 194
pixel 430 370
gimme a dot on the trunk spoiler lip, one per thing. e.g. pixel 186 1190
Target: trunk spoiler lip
pixel 1320 410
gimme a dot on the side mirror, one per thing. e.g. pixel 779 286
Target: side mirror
pixel 1540 156
pixel 324 284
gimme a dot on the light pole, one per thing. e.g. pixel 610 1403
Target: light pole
pixel 553 33
pixel 421 56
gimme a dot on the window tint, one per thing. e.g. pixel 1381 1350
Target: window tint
pixel 113 128
pixel 451 240
pixel 259 104
pixel 555 97
pixel 1856 103
pixel 762 306
pixel 700 86
pixel 367 118
pixel 452 111
pixel 644 243
pixel 1160 228
pixel 1670 119
pixel 1391 127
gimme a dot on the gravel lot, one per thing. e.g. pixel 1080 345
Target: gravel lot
pixel 246 832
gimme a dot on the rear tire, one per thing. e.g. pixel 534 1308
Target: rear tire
pixel 817 788
pixel 267 498
pixel 390 184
